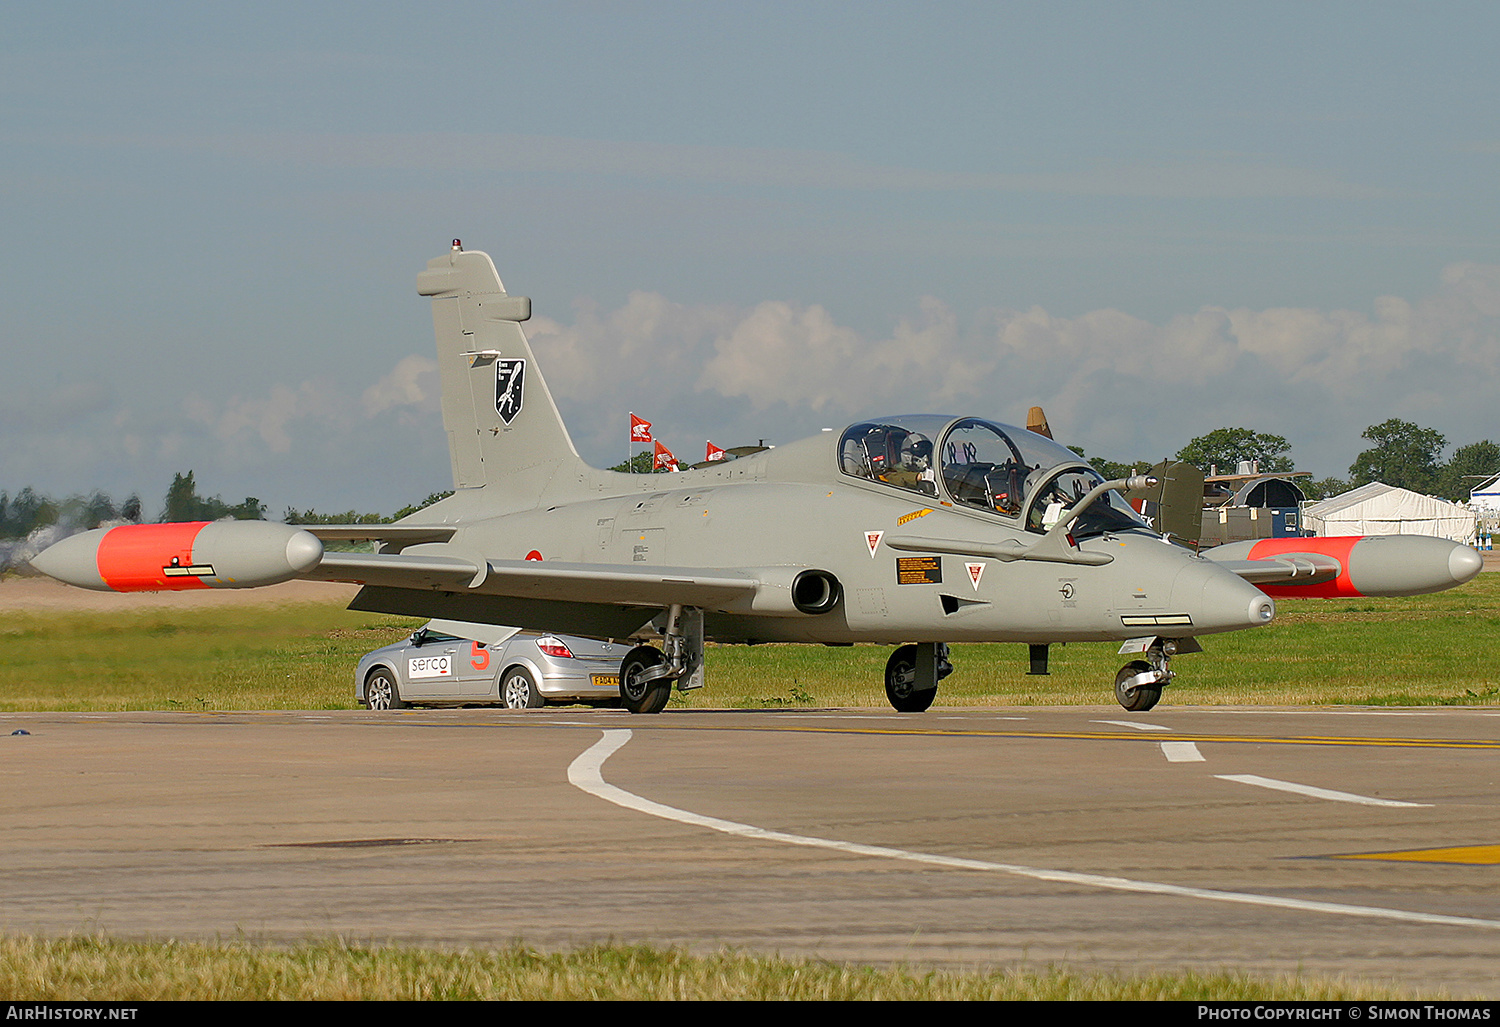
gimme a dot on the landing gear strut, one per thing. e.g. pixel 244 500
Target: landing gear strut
pixel 645 680
pixel 1138 685
pixel 647 674
pixel 912 674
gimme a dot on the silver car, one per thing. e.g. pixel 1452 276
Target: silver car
pixel 451 663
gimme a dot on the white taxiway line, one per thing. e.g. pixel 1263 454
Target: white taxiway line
pixel 1181 752
pixel 585 773
pixel 1316 793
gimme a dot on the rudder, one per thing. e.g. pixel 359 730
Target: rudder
pixel 504 430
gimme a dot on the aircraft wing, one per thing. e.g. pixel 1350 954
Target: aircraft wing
pixel 600 600
pixel 401 534
pixel 426 578
pixel 426 561
pixel 611 584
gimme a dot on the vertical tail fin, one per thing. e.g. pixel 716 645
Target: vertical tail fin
pixel 504 430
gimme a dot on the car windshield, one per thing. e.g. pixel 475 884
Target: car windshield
pixel 982 465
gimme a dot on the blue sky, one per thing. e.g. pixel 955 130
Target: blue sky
pixel 742 221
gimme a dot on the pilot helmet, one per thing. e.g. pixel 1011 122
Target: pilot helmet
pixel 916 451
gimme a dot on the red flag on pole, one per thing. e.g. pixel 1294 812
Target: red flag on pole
pixel 640 429
pixel 714 453
pixel 663 458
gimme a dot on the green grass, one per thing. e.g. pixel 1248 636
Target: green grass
pixel 1424 650
pixel 240 658
pixel 99 969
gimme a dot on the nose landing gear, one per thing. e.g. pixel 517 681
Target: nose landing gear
pixel 1139 683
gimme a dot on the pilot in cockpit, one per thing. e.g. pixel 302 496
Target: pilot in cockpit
pixel 914 468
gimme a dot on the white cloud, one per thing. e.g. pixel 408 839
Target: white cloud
pixel 413 382
pixel 1120 386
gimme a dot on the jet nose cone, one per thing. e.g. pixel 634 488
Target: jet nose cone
pixel 1221 601
pixel 1464 563
pixel 74 560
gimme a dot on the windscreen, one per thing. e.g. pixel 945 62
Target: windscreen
pixel 1053 493
pixel 990 466
pixel 982 465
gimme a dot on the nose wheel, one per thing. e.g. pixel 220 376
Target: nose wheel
pixel 1136 686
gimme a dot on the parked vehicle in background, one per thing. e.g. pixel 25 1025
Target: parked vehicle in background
pixel 453 663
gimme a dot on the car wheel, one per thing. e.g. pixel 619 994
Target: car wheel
pixel 518 690
pixel 381 692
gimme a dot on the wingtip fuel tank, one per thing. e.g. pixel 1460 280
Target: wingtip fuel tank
pixel 1368 565
pixel 177 557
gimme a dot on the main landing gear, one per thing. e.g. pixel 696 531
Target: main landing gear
pixel 912 675
pixel 647 674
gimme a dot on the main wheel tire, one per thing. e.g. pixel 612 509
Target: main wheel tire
pixel 518 690
pixel 1141 697
pixel 636 694
pixel 900 677
pixel 381 692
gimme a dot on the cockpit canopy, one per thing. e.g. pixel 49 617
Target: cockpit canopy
pixel 982 465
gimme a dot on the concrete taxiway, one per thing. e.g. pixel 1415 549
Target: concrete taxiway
pixel 1353 841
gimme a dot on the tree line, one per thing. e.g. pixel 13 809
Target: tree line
pixel 1403 454
pixel 29 510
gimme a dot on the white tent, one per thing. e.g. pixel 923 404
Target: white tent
pixel 1379 509
pixel 1485 497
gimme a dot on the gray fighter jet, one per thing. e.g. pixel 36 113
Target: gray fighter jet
pixel 914 530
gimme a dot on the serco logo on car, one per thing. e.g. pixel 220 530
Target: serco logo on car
pixel 429 666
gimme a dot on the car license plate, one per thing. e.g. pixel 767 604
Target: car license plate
pixel 605 680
